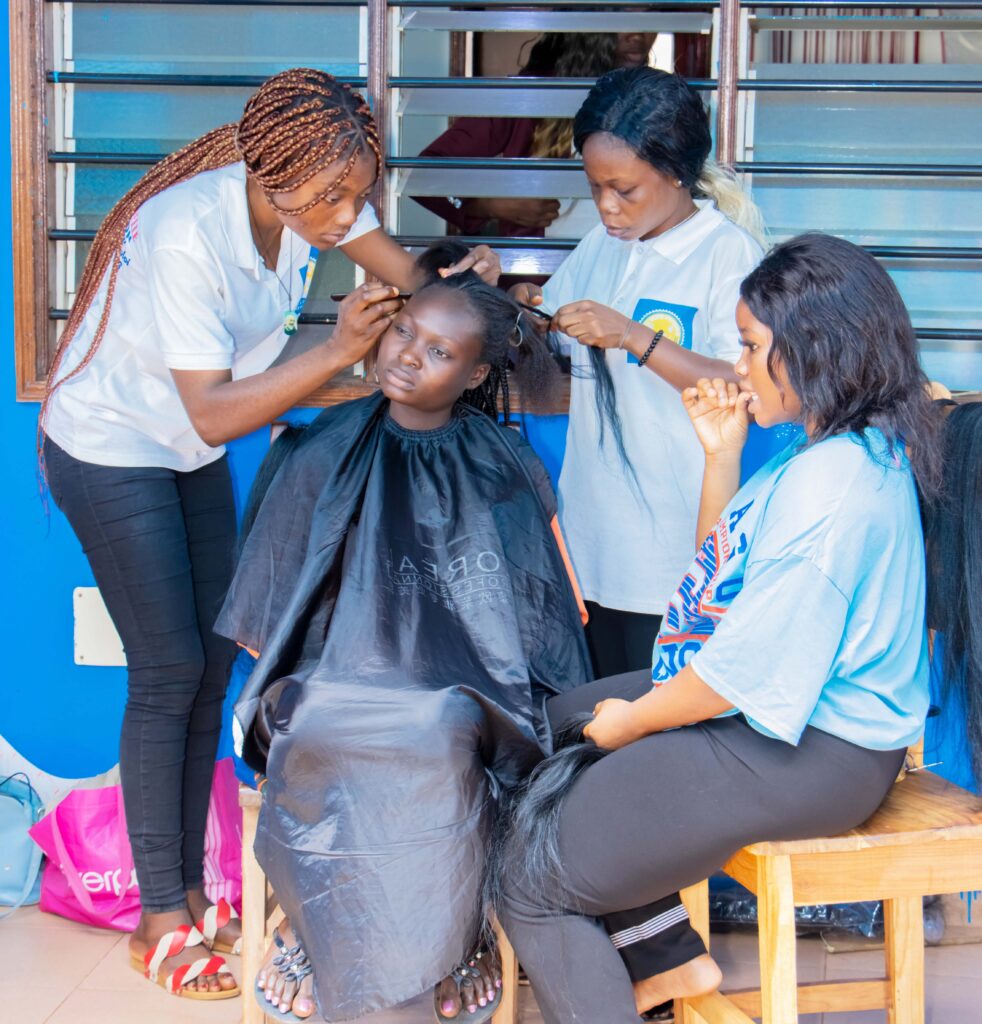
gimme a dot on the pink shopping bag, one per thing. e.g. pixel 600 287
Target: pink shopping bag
pixel 223 837
pixel 89 876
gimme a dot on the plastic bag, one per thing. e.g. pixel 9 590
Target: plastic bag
pixel 731 904
pixel 20 858
pixel 89 876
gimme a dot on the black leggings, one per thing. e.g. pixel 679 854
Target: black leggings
pixel 619 641
pixel 160 544
pixel 659 815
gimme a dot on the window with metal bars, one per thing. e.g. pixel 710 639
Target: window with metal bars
pixel 861 119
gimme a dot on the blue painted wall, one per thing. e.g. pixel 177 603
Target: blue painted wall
pixel 55 713
pixel 63 717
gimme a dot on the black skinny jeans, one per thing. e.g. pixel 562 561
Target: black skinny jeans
pixel 160 544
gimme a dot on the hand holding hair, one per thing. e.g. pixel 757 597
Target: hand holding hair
pixel 718 410
pixel 482 260
pixel 362 318
pixel 529 297
pixel 599 326
pixel 615 724
pixel 683 700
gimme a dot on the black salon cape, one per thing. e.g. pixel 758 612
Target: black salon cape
pixel 413 613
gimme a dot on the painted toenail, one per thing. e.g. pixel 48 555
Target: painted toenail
pixel 448 1006
pixel 472 1008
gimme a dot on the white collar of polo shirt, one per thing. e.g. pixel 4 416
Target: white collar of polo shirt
pixel 238 231
pixel 678 243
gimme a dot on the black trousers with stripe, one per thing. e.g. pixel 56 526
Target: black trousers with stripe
pixel 656 816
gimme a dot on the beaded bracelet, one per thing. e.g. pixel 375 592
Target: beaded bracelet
pixel 650 348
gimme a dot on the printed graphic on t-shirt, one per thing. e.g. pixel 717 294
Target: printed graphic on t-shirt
pixel 703 596
pixel 129 235
pixel 673 320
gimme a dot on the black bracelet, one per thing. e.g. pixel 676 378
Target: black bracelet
pixel 650 348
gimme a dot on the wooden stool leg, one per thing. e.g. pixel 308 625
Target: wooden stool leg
pixel 903 927
pixel 508 1010
pixel 253 918
pixel 696 900
pixel 778 954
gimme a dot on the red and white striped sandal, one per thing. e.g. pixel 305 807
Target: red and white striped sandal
pixel 170 945
pixel 216 917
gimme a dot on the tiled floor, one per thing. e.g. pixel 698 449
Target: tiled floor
pixel 57 972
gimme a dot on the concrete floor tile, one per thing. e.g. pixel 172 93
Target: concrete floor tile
pixel 953 1000
pixel 64 955
pixel 855 965
pixel 735 946
pixel 88 980
pixel 29 1006
pixel 150 1004
pixel 964 961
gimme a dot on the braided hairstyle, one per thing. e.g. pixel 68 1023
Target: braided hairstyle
pixel 299 122
pixel 512 344
pixel 953 538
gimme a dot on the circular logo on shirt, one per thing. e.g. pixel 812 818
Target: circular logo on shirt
pixel 668 323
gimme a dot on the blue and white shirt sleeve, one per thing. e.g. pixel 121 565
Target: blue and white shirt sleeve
pixel 751 663
pixel 802 567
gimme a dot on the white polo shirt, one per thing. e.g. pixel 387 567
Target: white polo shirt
pixel 192 294
pixel 630 545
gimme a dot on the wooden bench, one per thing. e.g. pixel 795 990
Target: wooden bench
pixel 261 914
pixel 925 839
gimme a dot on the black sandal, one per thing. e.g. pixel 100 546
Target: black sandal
pixel 460 973
pixel 293 964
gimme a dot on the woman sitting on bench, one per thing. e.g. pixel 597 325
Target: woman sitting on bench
pixel 790 672
pixel 405 586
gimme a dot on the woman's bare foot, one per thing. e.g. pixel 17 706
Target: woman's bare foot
pixel 153 927
pixel 476 988
pixel 283 992
pixel 698 977
pixel 198 904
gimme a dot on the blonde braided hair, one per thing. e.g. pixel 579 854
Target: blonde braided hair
pixel 297 123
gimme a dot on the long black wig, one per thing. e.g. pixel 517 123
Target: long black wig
pixel 953 536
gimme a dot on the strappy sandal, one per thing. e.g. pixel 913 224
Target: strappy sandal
pixel 170 945
pixel 461 973
pixel 663 1012
pixel 216 917
pixel 291 963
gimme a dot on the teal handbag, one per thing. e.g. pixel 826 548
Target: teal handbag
pixel 20 856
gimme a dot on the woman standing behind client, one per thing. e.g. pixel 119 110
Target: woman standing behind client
pixel 649 295
pixel 195 281
pixel 791 671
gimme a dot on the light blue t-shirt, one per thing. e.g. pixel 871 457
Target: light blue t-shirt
pixel 805 605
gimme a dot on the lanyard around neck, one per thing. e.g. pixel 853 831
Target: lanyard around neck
pixel 291 318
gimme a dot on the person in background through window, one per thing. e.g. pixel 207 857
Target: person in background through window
pixel 554 55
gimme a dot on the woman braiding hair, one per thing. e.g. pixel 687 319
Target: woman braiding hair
pixel 194 283
pixel 299 122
